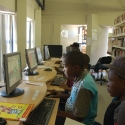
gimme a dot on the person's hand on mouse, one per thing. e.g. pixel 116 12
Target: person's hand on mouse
pixel 55 94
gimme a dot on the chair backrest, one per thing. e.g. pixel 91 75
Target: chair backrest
pixel 102 60
pixel 106 60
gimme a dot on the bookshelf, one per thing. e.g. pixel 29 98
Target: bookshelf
pixel 116 41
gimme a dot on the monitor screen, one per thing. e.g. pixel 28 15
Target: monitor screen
pixel 46 52
pixel 55 50
pixel 12 74
pixel 39 56
pixel 31 62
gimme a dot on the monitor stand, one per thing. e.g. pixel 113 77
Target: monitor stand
pixel 16 92
pixel 41 63
pixel 34 73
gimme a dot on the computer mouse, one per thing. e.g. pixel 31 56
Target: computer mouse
pixel 2 121
pixel 48 69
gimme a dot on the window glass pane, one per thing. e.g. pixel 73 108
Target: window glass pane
pixel 7 33
pixel 27 38
pixel 32 43
pixel 14 34
pixel 30 39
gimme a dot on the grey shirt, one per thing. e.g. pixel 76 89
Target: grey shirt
pixel 119 114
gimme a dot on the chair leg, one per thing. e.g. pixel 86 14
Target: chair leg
pixel 101 78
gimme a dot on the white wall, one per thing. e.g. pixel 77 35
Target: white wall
pixel 27 8
pixel 51 26
pixel 97 48
pixel 10 5
pixel 76 14
pixel 72 35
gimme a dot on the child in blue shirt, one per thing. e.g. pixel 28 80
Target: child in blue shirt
pixel 81 104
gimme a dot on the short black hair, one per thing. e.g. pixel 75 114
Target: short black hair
pixel 75 58
pixel 75 44
pixel 87 59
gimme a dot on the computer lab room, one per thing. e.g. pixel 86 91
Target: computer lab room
pixel 62 62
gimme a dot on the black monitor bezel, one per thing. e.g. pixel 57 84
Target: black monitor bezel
pixel 38 60
pixel 30 70
pixel 6 75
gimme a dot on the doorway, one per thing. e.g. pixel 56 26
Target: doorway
pixel 73 33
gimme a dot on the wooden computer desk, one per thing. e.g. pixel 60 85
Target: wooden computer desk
pixel 27 98
pixel 48 64
pixel 44 76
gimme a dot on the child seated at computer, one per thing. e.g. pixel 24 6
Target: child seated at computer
pixel 74 46
pixel 81 104
pixel 69 83
pixel 115 113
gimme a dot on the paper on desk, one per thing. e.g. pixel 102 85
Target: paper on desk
pixel 36 84
pixel 43 67
pixel 72 122
pixel 41 78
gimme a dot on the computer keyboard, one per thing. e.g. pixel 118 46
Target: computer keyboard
pixel 58 80
pixel 41 114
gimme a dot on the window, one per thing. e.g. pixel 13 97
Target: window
pixel 29 43
pixel 8 37
pixel 9 33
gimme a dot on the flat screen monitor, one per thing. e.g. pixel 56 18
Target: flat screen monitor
pixel 39 56
pixel 12 75
pixel 31 62
pixel 55 50
pixel 46 52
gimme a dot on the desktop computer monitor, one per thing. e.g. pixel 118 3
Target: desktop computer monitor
pixel 31 62
pixel 12 75
pixel 46 52
pixel 39 56
pixel 55 50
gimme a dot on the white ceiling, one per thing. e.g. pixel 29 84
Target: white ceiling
pixel 114 5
